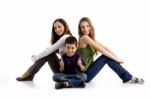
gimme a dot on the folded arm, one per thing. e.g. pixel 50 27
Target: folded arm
pixel 99 47
pixel 50 50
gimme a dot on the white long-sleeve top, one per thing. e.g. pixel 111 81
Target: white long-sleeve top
pixel 58 45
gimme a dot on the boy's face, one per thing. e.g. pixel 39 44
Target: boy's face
pixel 70 49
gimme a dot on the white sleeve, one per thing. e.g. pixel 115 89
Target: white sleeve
pixel 51 49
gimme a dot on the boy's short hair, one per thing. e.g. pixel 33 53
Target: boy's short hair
pixel 71 40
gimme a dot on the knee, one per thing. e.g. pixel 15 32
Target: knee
pixel 84 77
pixel 88 80
pixel 55 76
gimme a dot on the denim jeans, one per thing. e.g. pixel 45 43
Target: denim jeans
pixel 99 63
pixel 73 79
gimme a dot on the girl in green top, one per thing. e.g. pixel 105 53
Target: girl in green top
pixel 88 46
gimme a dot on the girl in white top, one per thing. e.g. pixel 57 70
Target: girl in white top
pixel 60 31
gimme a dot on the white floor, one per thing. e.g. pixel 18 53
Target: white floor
pixel 105 85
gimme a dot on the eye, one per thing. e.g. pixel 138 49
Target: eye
pixel 87 26
pixel 82 26
pixel 55 28
pixel 59 27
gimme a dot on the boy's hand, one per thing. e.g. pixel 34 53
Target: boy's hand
pixel 79 61
pixel 82 68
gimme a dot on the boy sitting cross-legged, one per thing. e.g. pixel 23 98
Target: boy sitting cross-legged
pixel 72 67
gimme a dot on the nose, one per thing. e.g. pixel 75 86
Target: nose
pixel 70 50
pixel 85 29
pixel 56 29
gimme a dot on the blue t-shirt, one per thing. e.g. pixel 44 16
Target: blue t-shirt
pixel 70 64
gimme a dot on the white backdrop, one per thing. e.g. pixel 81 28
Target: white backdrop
pixel 25 29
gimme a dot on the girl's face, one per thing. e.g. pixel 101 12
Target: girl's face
pixel 85 28
pixel 59 28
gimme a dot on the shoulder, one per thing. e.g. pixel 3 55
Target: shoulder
pixel 65 36
pixel 78 55
pixel 64 57
pixel 85 38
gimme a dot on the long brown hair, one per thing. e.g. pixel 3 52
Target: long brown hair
pixel 54 36
pixel 92 31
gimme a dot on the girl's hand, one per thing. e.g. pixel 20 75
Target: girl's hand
pixel 61 63
pixel 120 61
pixel 34 58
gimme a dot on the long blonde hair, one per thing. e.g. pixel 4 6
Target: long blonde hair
pixel 92 31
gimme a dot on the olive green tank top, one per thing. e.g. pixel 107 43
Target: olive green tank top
pixel 88 54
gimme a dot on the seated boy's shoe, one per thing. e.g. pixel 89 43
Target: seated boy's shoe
pixel 136 81
pixel 67 85
pixel 29 78
pixel 59 85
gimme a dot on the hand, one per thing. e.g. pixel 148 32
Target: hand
pixel 34 58
pixel 61 63
pixel 79 61
pixel 82 68
pixel 120 61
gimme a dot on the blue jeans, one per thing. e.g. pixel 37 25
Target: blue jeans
pixel 99 63
pixel 73 79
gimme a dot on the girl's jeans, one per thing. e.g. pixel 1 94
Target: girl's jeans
pixel 99 63
pixel 52 60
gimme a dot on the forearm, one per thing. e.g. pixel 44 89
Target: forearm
pixel 109 54
pixel 45 52
pixel 82 67
pixel 110 51
pixel 99 47
pixel 50 50
pixel 61 69
pixel 106 48
pixel 61 63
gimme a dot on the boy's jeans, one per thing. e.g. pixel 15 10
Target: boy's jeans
pixel 73 79
pixel 99 63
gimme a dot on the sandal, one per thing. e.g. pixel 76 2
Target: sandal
pixel 136 81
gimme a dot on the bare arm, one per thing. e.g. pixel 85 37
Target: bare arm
pixel 86 40
pixel 106 48
pixel 61 63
